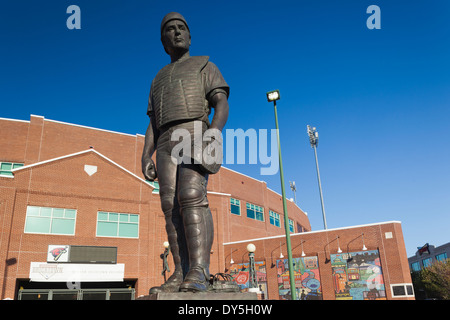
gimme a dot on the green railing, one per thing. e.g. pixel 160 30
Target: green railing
pixel 76 294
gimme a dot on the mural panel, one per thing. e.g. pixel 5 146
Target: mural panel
pixel 307 279
pixel 240 273
pixel 358 276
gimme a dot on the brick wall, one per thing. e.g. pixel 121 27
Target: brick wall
pixel 387 238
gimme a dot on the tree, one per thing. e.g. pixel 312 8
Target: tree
pixel 434 280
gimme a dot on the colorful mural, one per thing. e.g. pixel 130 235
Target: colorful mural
pixel 307 279
pixel 240 273
pixel 358 276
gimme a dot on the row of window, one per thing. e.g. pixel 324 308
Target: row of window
pixel 60 221
pixel 46 220
pixel 415 266
pixel 257 213
pixel 253 211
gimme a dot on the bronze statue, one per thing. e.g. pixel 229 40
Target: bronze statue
pixel 181 96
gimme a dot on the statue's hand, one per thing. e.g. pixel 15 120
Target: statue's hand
pixel 148 168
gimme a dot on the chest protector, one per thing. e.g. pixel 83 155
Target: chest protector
pixel 178 93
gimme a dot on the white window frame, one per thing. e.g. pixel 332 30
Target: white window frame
pixel 118 224
pixel 406 295
pixel 154 184
pixel 12 168
pixel 237 202
pixel 275 216
pixel 256 210
pixel 51 217
pixel 291 224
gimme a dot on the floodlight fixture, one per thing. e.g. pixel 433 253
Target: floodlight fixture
pixel 273 95
pixel 294 189
pixel 313 136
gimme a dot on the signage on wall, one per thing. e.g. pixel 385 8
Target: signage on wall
pixel 58 253
pixel 73 272
pixel 81 254
pixel 423 249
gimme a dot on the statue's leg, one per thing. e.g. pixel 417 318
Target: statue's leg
pixel 167 178
pixel 198 224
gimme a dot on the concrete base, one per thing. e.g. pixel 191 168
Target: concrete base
pixel 201 296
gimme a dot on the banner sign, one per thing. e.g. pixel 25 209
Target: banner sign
pixel 76 272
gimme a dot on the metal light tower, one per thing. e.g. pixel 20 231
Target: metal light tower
pixel 274 96
pixel 294 189
pixel 314 140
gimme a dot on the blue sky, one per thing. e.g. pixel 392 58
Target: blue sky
pixel 380 99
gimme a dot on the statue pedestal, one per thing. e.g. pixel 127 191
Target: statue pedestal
pixel 201 296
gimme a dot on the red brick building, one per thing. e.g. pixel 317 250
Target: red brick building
pixel 77 220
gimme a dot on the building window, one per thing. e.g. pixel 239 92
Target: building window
pixel 274 218
pixel 235 205
pixel 441 257
pixel 427 262
pixel 154 184
pixel 300 228
pixel 255 212
pixel 6 167
pixel 415 266
pixel 291 226
pixel 50 220
pixel 402 290
pixel 119 225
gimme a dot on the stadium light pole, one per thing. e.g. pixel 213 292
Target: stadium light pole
pixel 274 96
pixel 294 189
pixel 314 140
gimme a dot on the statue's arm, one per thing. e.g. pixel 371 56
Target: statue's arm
pixel 148 166
pixel 220 104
